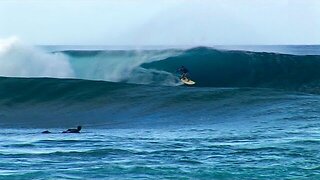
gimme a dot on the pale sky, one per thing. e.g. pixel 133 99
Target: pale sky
pixel 161 22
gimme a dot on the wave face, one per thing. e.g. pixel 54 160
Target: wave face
pixel 216 68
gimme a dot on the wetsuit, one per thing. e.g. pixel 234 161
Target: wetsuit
pixel 184 72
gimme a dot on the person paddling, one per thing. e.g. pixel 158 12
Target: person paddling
pixel 73 130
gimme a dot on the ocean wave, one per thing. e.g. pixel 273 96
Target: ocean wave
pixel 208 67
pixel 218 68
pixel 99 88
pixel 50 102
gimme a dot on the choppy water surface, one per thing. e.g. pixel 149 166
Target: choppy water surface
pixel 255 150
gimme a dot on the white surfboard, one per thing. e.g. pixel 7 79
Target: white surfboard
pixel 187 81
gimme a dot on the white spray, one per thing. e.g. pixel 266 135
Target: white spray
pixel 20 60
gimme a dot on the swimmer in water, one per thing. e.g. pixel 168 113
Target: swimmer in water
pixel 73 130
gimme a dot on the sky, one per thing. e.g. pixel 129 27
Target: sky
pixel 161 22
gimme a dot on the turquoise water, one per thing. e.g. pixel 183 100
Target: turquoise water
pixel 249 150
pixel 251 115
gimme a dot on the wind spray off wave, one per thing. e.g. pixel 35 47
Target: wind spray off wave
pixel 122 66
pixel 20 60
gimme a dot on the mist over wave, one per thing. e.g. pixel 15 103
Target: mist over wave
pixel 20 60
pixel 121 66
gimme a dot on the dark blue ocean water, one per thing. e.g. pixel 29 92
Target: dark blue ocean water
pixel 253 114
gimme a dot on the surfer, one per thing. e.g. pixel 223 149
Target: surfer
pixel 73 130
pixel 184 72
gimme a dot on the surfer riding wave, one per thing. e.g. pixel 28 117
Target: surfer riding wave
pixel 184 72
pixel 184 76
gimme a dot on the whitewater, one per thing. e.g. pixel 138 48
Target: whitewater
pixel 253 114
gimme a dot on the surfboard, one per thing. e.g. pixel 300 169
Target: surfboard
pixel 187 81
